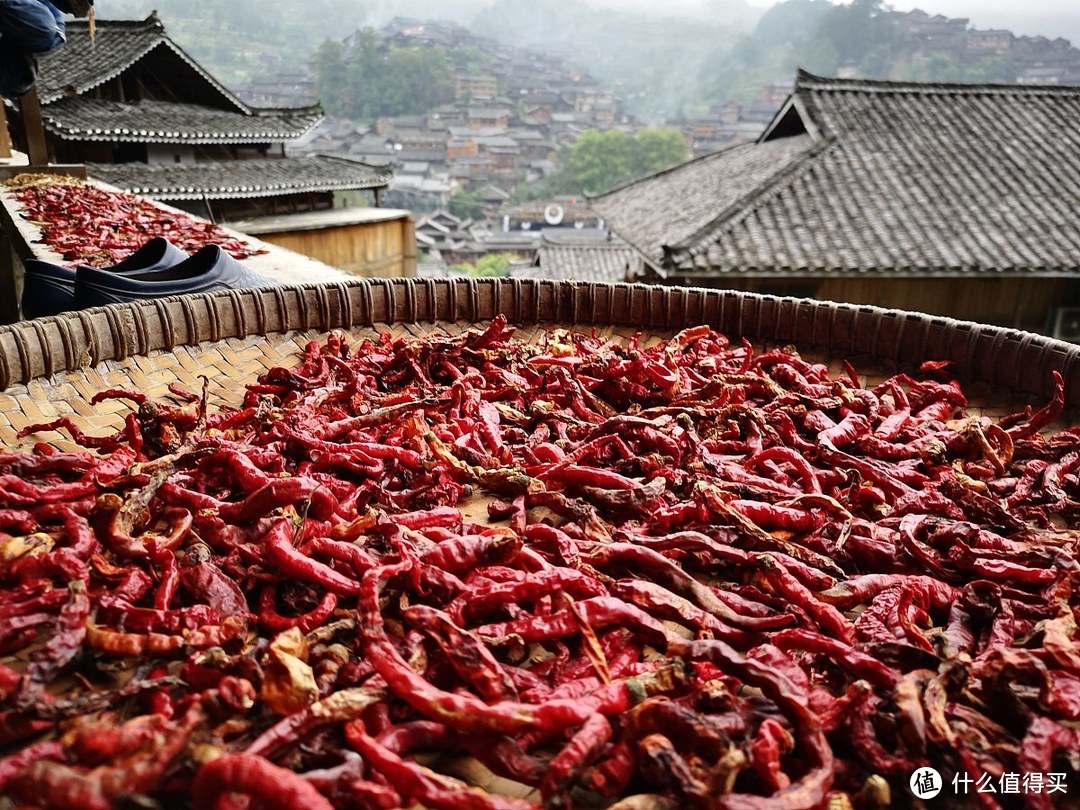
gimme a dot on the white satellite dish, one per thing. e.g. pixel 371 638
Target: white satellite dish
pixel 554 214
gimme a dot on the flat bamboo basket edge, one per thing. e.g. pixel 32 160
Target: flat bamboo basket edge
pixel 236 332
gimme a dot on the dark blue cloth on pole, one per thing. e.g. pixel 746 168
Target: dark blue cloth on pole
pixel 27 27
pixel 34 26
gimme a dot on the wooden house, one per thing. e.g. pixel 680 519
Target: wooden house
pixel 487 118
pixel 144 116
pixel 957 200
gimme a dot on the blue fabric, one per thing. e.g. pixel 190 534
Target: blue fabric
pixel 27 27
pixel 33 26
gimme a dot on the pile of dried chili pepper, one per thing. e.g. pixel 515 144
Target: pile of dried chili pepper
pixel 91 226
pixel 703 576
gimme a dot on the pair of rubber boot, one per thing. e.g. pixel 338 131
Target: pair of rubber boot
pixel 156 270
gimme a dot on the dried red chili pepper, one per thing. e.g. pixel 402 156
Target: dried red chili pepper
pixel 286 559
pixel 422 785
pixel 797 497
pixel 255 777
pixel 571 762
pixel 273 622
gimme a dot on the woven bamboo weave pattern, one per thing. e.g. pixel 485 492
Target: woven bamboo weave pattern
pixel 227 365
pixel 234 335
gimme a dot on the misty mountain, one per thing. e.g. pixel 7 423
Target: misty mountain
pixel 661 64
pixel 868 39
pixel 655 63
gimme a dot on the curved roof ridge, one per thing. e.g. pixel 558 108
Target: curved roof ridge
pixel 807 81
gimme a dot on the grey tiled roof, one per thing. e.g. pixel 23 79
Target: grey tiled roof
pixel 673 205
pixel 602 264
pixel 118 44
pixel 87 119
pixel 582 258
pixel 234 179
pixel 865 177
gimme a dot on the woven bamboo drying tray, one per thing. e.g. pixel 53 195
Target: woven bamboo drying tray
pixel 53 366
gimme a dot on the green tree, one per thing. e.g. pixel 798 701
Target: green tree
pixel 487 266
pixel 364 59
pixel 789 22
pixel 994 69
pixel 599 161
pixel 414 80
pixel 658 149
pixel 467 205
pixel 333 80
pixel 851 31
pixel 368 79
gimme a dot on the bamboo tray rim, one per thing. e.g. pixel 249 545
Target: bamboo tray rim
pixel 1006 359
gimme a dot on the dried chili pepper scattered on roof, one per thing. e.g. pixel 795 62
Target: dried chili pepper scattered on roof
pixel 89 225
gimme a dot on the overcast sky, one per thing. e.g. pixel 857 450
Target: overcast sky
pixel 1047 17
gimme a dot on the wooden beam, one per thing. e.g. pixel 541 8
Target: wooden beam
pixel 5 136
pixel 36 146
pixel 12 251
pixel 408 264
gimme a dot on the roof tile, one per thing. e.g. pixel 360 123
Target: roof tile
pixel 234 179
pixel 83 64
pixel 899 177
pixel 87 119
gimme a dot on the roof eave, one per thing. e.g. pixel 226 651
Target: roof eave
pixel 116 137
pixel 883 273
pixel 237 194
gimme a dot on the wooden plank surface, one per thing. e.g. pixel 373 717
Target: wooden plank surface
pixel 34 128
pixel 5 136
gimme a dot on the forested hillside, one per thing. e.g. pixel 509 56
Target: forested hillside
pixel 863 38
pixel 242 39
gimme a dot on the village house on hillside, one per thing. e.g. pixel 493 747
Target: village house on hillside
pixel 957 200
pixel 503 129
pixel 1036 59
pixel 143 115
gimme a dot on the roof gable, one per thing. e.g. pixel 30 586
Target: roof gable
pixel 82 65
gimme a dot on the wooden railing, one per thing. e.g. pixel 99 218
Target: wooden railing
pixel 14 247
